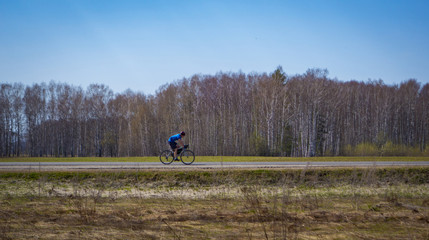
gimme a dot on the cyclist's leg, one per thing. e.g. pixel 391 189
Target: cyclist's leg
pixel 173 146
pixel 175 154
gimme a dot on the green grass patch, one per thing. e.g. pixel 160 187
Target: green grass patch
pixel 213 159
pixel 296 177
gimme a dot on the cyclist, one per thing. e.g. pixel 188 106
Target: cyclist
pixel 172 141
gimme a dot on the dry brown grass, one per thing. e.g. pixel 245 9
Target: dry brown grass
pixel 249 217
pixel 111 208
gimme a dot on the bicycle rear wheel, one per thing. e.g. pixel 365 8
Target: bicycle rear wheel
pixel 187 157
pixel 166 157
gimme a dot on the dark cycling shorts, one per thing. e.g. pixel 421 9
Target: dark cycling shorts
pixel 173 145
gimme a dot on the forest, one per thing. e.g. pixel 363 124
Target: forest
pixel 229 114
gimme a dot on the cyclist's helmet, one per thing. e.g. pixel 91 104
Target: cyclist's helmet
pixel 182 133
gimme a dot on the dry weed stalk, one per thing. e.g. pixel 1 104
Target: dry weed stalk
pixel 283 225
pixel 171 229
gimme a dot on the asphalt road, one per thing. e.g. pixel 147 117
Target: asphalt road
pixel 196 165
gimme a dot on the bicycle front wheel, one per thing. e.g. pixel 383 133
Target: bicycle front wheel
pixel 166 157
pixel 187 157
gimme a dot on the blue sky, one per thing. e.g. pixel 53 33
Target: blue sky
pixel 144 44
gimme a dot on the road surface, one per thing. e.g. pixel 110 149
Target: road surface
pixel 196 165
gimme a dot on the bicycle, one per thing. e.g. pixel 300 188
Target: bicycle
pixel 184 154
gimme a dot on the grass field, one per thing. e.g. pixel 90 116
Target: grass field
pixel 211 159
pixel 346 203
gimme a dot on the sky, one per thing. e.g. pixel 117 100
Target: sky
pixel 144 44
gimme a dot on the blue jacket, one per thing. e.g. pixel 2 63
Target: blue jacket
pixel 174 138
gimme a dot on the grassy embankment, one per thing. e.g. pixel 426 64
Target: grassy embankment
pixel 211 159
pixel 355 203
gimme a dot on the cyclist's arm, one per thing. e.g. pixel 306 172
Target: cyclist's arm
pixel 181 142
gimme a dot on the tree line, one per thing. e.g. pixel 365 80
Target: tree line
pixel 270 114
